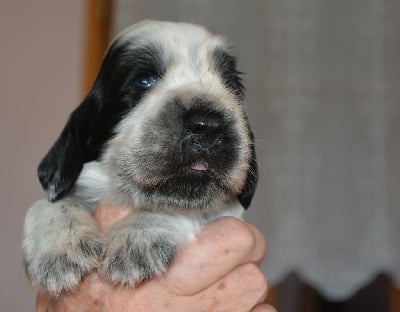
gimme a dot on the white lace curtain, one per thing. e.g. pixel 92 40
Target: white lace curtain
pixel 323 80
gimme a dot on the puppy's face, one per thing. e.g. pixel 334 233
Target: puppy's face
pixel 167 120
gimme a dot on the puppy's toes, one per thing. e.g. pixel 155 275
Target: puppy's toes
pixel 62 243
pixel 132 259
pixel 63 269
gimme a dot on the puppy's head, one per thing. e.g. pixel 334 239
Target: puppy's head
pixel 165 117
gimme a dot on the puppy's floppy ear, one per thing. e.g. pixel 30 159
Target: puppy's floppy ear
pixel 63 163
pixel 90 125
pixel 249 188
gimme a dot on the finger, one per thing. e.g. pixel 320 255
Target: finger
pixel 107 214
pixel 90 296
pixel 219 248
pixel 125 299
pixel 259 252
pixel 42 302
pixel 240 290
pixel 263 308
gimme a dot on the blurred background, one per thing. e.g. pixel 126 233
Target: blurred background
pixel 323 99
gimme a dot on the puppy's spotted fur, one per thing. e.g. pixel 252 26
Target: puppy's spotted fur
pixel 163 132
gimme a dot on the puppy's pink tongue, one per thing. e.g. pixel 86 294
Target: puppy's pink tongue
pixel 200 166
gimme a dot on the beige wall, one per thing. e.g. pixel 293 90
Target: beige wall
pixel 41 52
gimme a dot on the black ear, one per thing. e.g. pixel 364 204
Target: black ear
pixel 90 125
pixel 249 188
pixel 63 163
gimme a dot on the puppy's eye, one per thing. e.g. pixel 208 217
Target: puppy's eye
pixel 144 82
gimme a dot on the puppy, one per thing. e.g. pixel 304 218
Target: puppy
pixel 163 132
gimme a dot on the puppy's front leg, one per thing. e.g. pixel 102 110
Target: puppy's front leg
pixel 62 243
pixel 144 244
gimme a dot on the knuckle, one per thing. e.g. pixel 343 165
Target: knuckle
pixel 239 235
pixel 253 278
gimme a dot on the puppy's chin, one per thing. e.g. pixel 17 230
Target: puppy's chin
pixel 192 189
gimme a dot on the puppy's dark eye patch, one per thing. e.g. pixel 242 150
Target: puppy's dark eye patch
pixel 145 62
pixel 225 64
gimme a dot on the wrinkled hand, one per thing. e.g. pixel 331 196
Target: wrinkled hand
pixel 216 272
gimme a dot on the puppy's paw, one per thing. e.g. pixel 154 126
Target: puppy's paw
pixel 134 256
pixel 57 271
pixel 61 245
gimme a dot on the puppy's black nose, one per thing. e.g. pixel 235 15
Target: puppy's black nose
pixel 204 127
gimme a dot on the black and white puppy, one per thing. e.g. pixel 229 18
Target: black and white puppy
pixel 163 132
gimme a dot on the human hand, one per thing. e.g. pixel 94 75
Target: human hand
pixel 216 272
